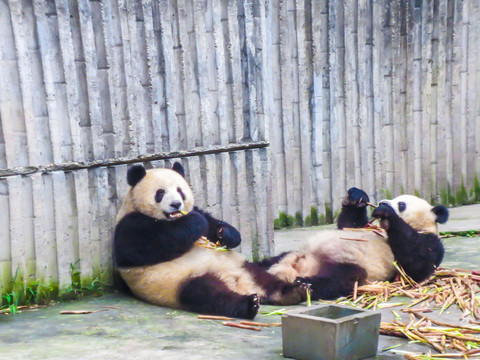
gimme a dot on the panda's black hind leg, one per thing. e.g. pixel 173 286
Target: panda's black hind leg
pixel 207 294
pixel 334 280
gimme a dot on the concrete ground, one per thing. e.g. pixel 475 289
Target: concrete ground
pixel 125 328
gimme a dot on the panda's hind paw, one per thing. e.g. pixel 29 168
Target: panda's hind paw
pixel 299 281
pixel 253 304
pixel 304 287
pixel 246 307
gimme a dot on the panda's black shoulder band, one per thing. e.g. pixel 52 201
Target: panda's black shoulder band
pixel 135 174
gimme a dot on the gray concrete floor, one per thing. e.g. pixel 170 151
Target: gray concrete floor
pixel 130 329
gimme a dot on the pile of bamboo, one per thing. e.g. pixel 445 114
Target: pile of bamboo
pixel 445 288
pixel 440 336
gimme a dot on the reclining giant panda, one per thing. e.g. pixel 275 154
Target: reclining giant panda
pixel 333 260
pixel 157 251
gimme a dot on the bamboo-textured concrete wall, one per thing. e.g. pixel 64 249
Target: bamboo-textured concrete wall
pixel 383 95
pixel 88 87
pixel 378 94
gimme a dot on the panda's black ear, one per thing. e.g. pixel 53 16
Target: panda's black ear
pixel 442 214
pixel 178 167
pixel 135 174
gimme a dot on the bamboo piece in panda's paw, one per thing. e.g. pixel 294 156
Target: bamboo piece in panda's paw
pixel 370 204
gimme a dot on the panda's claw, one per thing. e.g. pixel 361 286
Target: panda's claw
pixel 301 282
pixel 305 288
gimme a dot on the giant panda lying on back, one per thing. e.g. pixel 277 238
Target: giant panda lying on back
pixel 333 260
pixel 157 253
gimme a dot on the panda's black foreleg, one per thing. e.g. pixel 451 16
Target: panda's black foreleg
pixel 207 294
pixel 221 231
pixel 142 240
pixel 354 209
pixel 334 280
pixel 418 253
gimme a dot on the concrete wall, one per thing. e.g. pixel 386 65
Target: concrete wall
pixel 88 88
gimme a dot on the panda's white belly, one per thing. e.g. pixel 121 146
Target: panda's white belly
pixel 159 284
pixel 373 254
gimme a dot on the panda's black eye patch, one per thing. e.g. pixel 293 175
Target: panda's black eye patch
pixel 159 195
pixel 181 193
pixel 402 206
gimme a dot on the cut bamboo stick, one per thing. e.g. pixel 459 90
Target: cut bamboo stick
pixel 214 317
pixel 241 326
pixel 254 323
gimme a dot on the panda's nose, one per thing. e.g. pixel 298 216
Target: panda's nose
pixel 176 205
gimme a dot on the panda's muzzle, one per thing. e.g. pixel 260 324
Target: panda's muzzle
pixel 175 215
pixel 176 206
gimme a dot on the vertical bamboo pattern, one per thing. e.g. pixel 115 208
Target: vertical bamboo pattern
pixel 274 107
pixel 393 101
pixel 90 87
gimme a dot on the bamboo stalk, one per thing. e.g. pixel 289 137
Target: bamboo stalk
pixel 70 166
pixel 472 352
pixel 431 343
pixel 355 291
pixel 457 296
pixel 439 323
pixel 462 337
pixel 214 317
pixel 241 326
pixel 80 312
pixel 254 323
pixel 353 239
pixel 448 356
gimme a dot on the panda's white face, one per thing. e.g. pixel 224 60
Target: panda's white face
pixel 162 194
pixel 416 212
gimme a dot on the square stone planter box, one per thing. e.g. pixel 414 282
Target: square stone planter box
pixel 330 332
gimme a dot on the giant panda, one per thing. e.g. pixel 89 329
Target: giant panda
pixel 157 252
pixel 333 260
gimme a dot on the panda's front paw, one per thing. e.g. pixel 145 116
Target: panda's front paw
pixel 384 211
pixel 356 197
pixel 228 236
